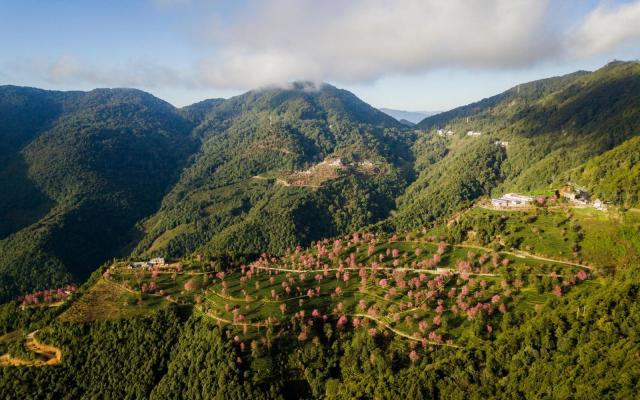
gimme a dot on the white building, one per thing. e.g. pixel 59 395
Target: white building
pixel 499 203
pixel 512 200
pixel 598 204
pixel 473 133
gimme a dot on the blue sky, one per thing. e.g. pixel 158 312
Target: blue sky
pixel 406 54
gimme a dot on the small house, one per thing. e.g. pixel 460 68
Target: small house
pixel 578 195
pixel 137 264
pixel 498 203
pixel 511 200
pixel 517 199
pixel 158 261
pixel 598 204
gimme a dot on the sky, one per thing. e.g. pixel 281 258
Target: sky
pixel 429 55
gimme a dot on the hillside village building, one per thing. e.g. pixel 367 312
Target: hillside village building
pixel 157 261
pixel 474 133
pixel 599 204
pixel 154 262
pixel 441 132
pixel 512 200
pixel 579 196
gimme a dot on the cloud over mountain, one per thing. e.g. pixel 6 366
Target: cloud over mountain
pixel 271 42
pixel 362 40
pixel 607 28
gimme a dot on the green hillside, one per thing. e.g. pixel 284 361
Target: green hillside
pixel 502 298
pixel 212 178
pixel 240 196
pixel 87 168
pixel 614 176
pixel 540 132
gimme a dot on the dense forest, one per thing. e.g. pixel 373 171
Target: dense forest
pixel 88 166
pixel 310 176
pixel 178 353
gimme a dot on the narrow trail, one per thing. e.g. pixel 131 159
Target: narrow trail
pixel 52 354
pixel 227 321
pixel 519 253
pixel 400 333
pixel 525 254
pixel 377 320
pixel 404 269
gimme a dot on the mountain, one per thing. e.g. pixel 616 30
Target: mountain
pixel 318 248
pixel 614 176
pixel 410 116
pixel 469 309
pixel 530 138
pixel 114 172
pixel 84 167
pixel 316 159
pixel 98 173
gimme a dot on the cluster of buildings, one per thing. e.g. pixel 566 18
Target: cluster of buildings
pixel 154 262
pixel 581 197
pixel 512 200
pixel 578 197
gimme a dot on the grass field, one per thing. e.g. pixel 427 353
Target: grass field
pixel 421 290
pixel 107 300
pixel 417 287
pixel 602 239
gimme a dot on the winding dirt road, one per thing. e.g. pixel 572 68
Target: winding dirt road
pixel 52 355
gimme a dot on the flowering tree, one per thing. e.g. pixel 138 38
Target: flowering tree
pixel 557 290
pixel 189 285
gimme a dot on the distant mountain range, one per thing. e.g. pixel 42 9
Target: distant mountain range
pixel 409 116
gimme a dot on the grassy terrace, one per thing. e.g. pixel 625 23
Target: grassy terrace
pixel 425 287
pixel 418 289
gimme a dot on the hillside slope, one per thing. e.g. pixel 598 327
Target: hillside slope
pixel 539 133
pixel 614 176
pixel 278 168
pixel 85 168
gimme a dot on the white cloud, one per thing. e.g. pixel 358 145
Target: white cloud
pixel 606 29
pixel 68 70
pixel 362 40
pixel 266 42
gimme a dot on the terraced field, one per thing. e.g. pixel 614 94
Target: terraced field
pixel 426 287
pixel 422 290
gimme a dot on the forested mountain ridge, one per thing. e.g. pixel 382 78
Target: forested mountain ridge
pixel 614 175
pixel 529 138
pixel 241 180
pixel 310 249
pixel 213 177
pixel 87 166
